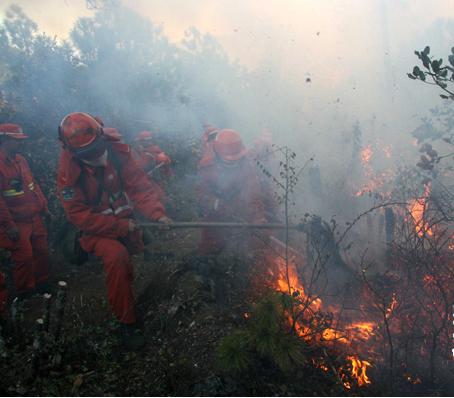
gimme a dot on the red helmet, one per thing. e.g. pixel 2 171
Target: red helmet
pixel 162 158
pixel 144 136
pixel 99 120
pixel 228 145
pixel 12 131
pixel 78 130
pixel 209 128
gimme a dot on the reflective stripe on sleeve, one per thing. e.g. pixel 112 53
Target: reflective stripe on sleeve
pixel 12 192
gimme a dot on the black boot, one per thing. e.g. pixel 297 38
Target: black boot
pixel 131 337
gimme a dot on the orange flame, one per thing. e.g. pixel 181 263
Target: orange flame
pixel 358 331
pixel 411 379
pixel 359 369
pixel 361 330
pixel 392 306
pixel 376 181
pixel 282 285
pixel 334 335
pixel 417 209
pixel 366 154
pixel 388 150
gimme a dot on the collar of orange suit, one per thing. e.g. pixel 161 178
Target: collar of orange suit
pixel 6 158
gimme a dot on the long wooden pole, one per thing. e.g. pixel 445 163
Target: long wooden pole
pixel 233 225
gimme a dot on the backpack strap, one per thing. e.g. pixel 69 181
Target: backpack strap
pixel 100 172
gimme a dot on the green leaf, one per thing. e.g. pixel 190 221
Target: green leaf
pixel 233 353
pixel 435 66
pixel 451 59
pixel 422 76
pixel 444 96
pixel 426 50
pixel 416 70
pixel 288 352
pixel 444 73
pixel 411 76
pixel 425 60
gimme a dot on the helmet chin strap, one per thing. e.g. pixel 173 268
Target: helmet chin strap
pixel 101 161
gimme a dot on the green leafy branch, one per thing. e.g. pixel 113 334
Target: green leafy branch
pixel 435 72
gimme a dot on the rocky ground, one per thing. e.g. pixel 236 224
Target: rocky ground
pixel 186 306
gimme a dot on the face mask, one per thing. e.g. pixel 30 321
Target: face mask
pixel 231 165
pixel 101 161
pixel 12 147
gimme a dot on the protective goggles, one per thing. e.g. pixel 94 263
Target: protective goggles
pixel 145 141
pixel 92 151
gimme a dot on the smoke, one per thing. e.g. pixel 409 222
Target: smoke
pixel 326 79
pixel 313 75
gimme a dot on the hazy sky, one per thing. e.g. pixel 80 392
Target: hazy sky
pixel 249 29
pixel 356 52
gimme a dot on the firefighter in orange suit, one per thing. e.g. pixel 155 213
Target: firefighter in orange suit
pixel 99 183
pixel 209 134
pixel 22 205
pixel 228 190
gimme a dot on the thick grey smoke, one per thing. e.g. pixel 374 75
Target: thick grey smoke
pixel 327 94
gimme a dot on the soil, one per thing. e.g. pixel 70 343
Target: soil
pixel 186 303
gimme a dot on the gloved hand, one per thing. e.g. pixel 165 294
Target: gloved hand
pixel 133 225
pixel 165 220
pixel 162 158
pixel 13 233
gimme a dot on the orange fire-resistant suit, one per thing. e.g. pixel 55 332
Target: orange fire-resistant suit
pixel 99 201
pixel 21 202
pixel 151 157
pixel 227 194
pixel 208 137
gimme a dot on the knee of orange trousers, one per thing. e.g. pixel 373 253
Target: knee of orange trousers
pixel 211 242
pixel 119 274
pixel 23 270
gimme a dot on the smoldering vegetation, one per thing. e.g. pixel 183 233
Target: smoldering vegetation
pixel 361 306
